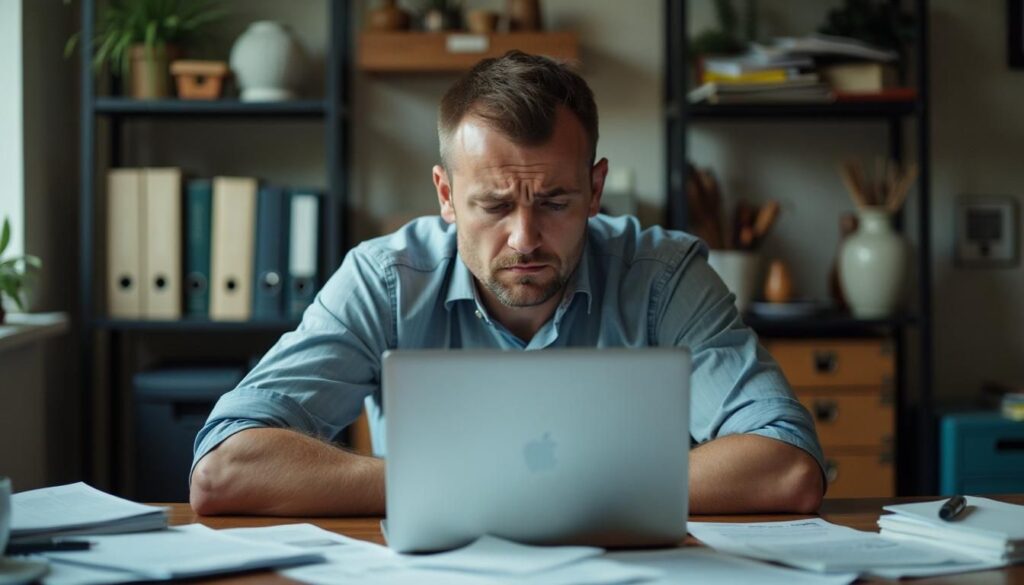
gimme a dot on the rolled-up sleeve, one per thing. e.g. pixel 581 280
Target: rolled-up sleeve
pixel 736 387
pixel 315 379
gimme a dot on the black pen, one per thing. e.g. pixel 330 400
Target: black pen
pixel 952 508
pixel 40 546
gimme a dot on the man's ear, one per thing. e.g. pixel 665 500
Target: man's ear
pixel 444 193
pixel 597 176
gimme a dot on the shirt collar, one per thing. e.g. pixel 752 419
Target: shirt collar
pixel 462 284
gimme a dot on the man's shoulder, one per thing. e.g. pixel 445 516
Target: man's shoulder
pixel 623 237
pixel 422 244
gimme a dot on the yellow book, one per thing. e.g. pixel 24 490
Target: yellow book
pixel 764 76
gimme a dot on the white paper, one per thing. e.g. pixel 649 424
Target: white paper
pixel 183 551
pixel 817 545
pixel 343 555
pixel 708 567
pixel 72 506
pixel 71 574
pixel 983 517
pixel 489 554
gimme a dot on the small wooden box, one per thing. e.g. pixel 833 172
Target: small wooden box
pixel 199 80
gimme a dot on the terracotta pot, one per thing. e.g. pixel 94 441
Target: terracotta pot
pixel 388 17
pixel 150 71
pixel 524 15
pixel 482 22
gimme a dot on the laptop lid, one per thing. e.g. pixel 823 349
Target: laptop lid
pixel 564 446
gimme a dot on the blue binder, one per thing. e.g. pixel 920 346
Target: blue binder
pixel 271 253
pixel 198 217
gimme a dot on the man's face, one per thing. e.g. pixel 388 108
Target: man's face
pixel 521 211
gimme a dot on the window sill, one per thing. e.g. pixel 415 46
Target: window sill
pixel 24 328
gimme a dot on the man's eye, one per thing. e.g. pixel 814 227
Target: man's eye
pixel 553 206
pixel 499 208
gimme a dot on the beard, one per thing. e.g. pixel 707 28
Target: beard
pixel 528 290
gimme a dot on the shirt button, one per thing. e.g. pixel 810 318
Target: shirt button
pixel 478 314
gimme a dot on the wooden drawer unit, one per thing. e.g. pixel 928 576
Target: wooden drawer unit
pixel 859 475
pixel 835 362
pixel 850 418
pixel 848 387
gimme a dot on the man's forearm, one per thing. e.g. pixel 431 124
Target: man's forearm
pixel 284 473
pixel 750 474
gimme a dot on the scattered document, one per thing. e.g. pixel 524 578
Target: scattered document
pixel 182 552
pixel 79 509
pixel 487 561
pixel 709 567
pixel 499 556
pixel 817 545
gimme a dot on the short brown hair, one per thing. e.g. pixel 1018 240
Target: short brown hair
pixel 518 95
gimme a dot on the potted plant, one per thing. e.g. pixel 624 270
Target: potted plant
pixel 727 38
pixel 138 39
pixel 14 272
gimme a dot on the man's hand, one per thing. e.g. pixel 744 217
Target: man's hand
pixel 278 472
pixel 749 474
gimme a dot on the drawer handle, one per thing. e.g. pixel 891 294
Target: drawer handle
pixel 825 362
pixel 826 411
pixel 831 470
pixel 1010 445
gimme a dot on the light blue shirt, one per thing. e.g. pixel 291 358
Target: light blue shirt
pixel 410 289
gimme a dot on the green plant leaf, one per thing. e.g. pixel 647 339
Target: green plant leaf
pixel 5 235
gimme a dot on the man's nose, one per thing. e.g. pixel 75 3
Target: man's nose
pixel 524 236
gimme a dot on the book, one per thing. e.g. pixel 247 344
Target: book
pixel 753 63
pixel 859 77
pixel 271 253
pixel 303 278
pixel 198 215
pixel 125 242
pixel 161 219
pixel 78 509
pixel 823 46
pixel 796 90
pixel 232 250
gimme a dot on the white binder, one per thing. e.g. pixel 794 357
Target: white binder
pixel 232 252
pixel 163 228
pixel 125 242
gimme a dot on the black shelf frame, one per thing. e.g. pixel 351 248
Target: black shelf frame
pixel 127 107
pixel 917 458
pixel 331 111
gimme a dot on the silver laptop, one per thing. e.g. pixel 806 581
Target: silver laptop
pixel 569 446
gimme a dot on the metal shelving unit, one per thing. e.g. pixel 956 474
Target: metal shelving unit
pixel 917 456
pixel 330 111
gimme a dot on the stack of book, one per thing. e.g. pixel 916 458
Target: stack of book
pixel 1012 405
pixel 78 509
pixel 226 248
pixel 815 68
pixel 986 530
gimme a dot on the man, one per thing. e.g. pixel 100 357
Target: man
pixel 519 259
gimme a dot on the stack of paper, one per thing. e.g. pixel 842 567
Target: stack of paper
pixel 76 509
pixel 986 529
pixel 176 553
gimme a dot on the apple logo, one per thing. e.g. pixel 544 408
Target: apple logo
pixel 540 454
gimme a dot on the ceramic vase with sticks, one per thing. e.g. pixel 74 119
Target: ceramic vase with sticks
pixel 873 260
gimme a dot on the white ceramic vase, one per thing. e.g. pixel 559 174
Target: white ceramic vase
pixel 873 266
pixel 739 271
pixel 267 62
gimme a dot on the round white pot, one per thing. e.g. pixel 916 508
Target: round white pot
pixel 873 266
pixel 267 62
pixel 739 271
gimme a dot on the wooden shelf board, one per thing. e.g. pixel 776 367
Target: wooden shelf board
pixel 419 52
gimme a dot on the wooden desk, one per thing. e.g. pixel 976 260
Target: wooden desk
pixel 855 513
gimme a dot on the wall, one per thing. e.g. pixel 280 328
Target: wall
pixel 978 141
